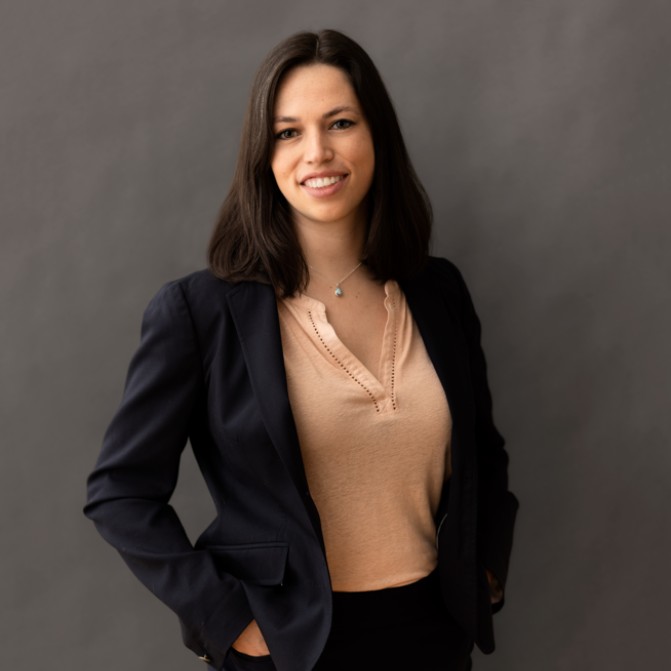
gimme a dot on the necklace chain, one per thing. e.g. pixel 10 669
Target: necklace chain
pixel 338 289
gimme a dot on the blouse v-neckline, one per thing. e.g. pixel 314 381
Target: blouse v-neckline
pixel 382 389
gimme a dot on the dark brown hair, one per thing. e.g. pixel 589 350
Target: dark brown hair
pixel 254 238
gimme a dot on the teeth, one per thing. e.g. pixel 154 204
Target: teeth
pixel 321 182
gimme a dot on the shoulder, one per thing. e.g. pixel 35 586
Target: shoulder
pixel 441 277
pixel 440 272
pixel 181 295
pixel 203 298
pixel 201 283
pixel 199 290
pixel 443 268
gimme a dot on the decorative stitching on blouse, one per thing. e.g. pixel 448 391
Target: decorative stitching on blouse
pixel 393 356
pixel 341 364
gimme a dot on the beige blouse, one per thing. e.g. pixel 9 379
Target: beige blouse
pixel 376 451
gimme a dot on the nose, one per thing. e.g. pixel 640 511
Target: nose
pixel 317 148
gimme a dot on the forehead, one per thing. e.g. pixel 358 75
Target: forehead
pixel 313 87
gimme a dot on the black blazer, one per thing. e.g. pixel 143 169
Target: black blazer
pixel 209 369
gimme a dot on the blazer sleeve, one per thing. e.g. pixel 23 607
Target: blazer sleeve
pixel 497 506
pixel 136 473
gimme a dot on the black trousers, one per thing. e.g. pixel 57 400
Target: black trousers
pixel 401 628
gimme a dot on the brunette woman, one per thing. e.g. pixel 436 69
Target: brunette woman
pixel 329 377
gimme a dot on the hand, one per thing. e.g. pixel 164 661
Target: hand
pixel 495 589
pixel 251 641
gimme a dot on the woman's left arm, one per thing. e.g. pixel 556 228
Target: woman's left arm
pixel 497 506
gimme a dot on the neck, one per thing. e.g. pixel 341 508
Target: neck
pixel 332 250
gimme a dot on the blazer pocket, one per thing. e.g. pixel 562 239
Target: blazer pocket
pixel 256 563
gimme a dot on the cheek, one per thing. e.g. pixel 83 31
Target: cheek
pixel 366 154
pixel 281 167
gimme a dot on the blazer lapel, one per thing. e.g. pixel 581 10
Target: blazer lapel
pixel 254 311
pixel 440 329
pixel 439 323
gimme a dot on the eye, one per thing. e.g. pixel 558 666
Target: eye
pixel 286 134
pixel 342 124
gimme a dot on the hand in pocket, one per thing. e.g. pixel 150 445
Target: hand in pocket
pixel 251 641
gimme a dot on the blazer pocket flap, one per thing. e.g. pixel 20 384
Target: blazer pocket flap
pixel 255 563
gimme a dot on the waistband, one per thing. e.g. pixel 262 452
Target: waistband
pixel 393 605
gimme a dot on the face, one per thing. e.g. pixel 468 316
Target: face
pixel 323 158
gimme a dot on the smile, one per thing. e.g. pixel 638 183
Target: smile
pixel 322 182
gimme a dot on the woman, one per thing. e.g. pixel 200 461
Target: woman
pixel 329 377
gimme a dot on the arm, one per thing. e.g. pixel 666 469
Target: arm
pixel 497 506
pixel 136 473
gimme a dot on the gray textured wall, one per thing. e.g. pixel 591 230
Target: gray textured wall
pixel 541 130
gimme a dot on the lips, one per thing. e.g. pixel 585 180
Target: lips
pixel 323 180
pixel 324 185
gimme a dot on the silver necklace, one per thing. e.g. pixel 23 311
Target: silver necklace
pixel 338 289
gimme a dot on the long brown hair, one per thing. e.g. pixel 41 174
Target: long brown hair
pixel 254 238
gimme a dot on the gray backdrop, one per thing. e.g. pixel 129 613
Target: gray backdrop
pixel 541 130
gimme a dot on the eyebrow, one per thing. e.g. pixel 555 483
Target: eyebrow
pixel 327 115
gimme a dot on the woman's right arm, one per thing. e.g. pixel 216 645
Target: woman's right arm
pixel 136 473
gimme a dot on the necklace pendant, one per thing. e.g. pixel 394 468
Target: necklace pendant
pixel 338 289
